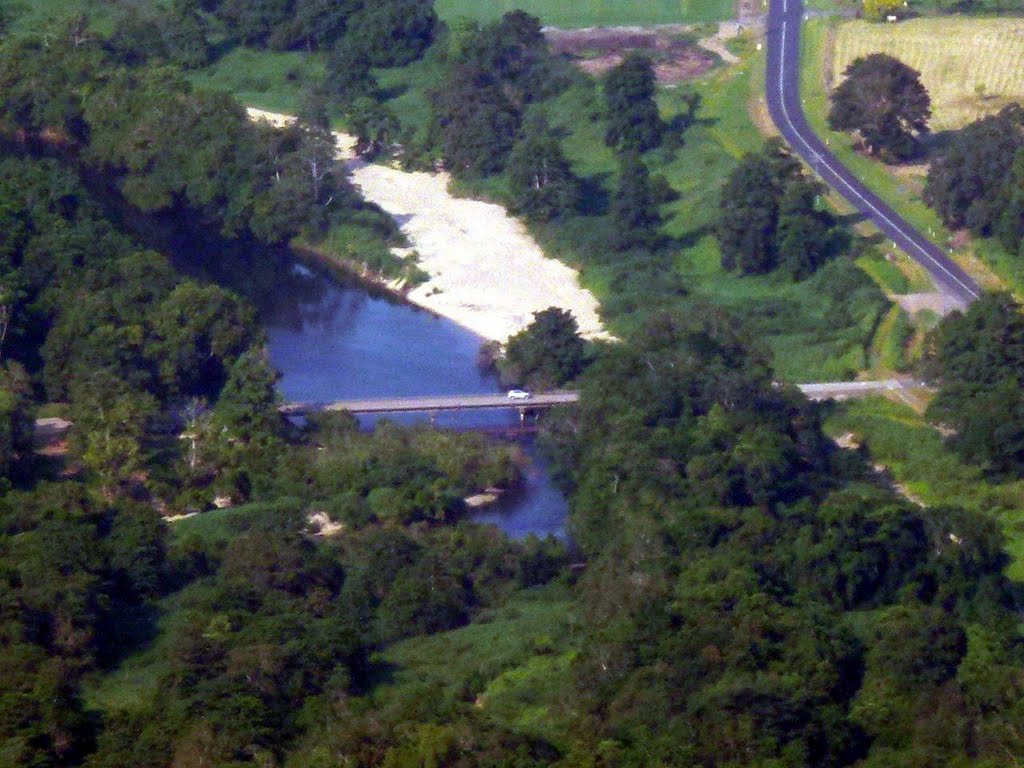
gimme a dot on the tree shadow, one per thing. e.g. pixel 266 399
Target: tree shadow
pixel 376 673
pixel 937 142
pixel 595 200
pixel 393 91
pixel 679 124
pixel 221 49
pixel 850 219
pixel 691 238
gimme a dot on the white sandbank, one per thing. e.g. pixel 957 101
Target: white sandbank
pixel 486 272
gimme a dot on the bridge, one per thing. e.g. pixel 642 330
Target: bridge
pixel 839 390
pixel 437 403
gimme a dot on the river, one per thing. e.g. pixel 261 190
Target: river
pixel 333 341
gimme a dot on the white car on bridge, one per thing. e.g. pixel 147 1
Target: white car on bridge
pixel 518 394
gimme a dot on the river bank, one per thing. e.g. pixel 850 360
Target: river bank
pixel 486 272
pixel 338 340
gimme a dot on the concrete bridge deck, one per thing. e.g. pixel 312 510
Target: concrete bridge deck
pixel 839 390
pixel 436 403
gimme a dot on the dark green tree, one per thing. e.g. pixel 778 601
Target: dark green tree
pixel 514 51
pixel 15 418
pixel 319 24
pixel 256 21
pixel 476 122
pixel 374 124
pixel 633 119
pixel 883 100
pixel 977 359
pixel 392 33
pixel 547 353
pixel 968 179
pixel 749 211
pixel 804 231
pixel 348 74
pixel 247 406
pixel 748 217
pixel 635 215
pixel 1010 226
pixel 540 179
pixel 200 332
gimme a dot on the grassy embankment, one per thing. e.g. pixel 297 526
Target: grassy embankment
pixel 797 321
pixel 914 454
pixel 937 47
pixel 593 13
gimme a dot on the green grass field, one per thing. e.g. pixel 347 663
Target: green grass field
pixel 265 79
pixel 592 13
pixel 914 453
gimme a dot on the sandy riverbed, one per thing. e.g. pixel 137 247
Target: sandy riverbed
pixel 486 272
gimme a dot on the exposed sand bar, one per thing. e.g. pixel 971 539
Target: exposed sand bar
pixel 486 272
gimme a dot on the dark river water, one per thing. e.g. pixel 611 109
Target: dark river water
pixel 332 341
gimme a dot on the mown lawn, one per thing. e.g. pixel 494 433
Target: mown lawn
pixel 593 13
pixel 915 454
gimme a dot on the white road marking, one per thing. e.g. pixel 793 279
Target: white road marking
pixel 838 176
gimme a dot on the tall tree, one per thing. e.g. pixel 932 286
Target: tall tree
pixel 1010 227
pixel 540 179
pixel 200 332
pixel 884 101
pixel 374 124
pixel 748 212
pixel 514 51
pixel 348 74
pixel 392 33
pixel 247 406
pixel 476 121
pixel 547 353
pixel 633 119
pixel 978 361
pixel 635 215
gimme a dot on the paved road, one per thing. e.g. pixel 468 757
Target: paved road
pixel 435 403
pixel 840 390
pixel 783 90
pixel 427 404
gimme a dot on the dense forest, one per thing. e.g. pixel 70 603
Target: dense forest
pixel 739 591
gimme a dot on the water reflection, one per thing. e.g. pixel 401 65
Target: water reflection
pixel 333 341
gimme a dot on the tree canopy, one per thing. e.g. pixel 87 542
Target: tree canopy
pixel 769 217
pixel 884 102
pixel 967 179
pixel 547 353
pixel 977 359
pixel 633 119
